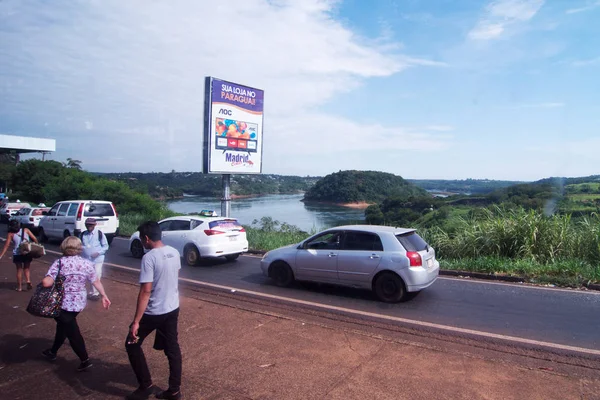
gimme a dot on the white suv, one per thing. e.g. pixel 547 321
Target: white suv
pixel 67 218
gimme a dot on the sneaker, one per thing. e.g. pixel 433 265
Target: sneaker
pixel 84 365
pixel 169 395
pixel 142 393
pixel 49 355
pixel 94 297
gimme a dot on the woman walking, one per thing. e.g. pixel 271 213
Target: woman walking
pixel 16 235
pixel 77 271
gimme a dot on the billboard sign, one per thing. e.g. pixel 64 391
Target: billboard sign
pixel 233 128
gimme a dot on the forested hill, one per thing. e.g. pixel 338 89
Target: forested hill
pixel 175 184
pixel 361 186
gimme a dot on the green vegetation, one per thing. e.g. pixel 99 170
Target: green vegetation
pixel 465 186
pixel 361 186
pixel 268 234
pixel 174 184
pixel 50 181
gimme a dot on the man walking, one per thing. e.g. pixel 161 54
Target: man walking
pixel 95 246
pixel 157 309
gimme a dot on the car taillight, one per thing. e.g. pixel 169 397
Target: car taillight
pixel 210 232
pixel 80 212
pixel 242 230
pixel 115 210
pixel 415 258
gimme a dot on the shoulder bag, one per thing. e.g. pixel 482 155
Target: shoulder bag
pixel 47 301
pixel 33 249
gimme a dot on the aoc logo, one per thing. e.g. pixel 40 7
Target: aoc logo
pixel 238 159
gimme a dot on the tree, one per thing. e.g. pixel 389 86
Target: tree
pixel 71 163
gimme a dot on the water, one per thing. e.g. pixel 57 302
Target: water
pixel 280 207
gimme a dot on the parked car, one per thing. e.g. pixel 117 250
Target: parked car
pixel 8 209
pixel 195 237
pixel 30 217
pixel 67 218
pixel 395 263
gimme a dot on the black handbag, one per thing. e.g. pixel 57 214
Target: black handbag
pixel 46 302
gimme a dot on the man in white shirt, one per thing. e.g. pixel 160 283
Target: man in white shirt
pixel 95 246
pixel 157 309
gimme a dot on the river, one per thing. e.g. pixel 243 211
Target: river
pixel 280 207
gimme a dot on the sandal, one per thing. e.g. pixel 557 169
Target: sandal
pixel 18 289
pixel 29 286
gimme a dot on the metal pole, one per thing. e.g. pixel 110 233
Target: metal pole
pixel 226 200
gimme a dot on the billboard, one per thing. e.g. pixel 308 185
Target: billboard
pixel 233 128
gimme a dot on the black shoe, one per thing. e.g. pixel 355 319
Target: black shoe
pixel 94 297
pixel 169 395
pixel 141 393
pixel 29 286
pixel 84 365
pixel 49 354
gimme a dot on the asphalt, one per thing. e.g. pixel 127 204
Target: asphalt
pixel 234 348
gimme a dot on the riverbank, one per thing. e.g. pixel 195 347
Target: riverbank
pixel 359 205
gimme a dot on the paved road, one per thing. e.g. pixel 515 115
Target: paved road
pixel 550 315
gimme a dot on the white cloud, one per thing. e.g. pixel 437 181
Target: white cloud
pixel 588 7
pixel 136 69
pixel 502 14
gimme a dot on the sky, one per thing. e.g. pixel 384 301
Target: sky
pixel 440 89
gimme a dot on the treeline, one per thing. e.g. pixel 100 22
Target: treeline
pixel 361 186
pixel 464 186
pixel 37 181
pixel 174 184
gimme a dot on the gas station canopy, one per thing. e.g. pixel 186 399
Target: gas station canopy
pixel 22 144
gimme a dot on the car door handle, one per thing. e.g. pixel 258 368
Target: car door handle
pixel 332 255
pixel 374 256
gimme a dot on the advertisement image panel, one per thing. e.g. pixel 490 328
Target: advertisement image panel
pixel 233 128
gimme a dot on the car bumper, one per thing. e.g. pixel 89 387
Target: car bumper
pixel 220 249
pixel 420 278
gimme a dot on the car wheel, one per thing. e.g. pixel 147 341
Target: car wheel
pixel 191 255
pixel 232 257
pixel 43 237
pixel 137 249
pixel 110 239
pixel 66 234
pixel 390 288
pixel 281 273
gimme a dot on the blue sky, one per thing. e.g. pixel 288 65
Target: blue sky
pixel 504 89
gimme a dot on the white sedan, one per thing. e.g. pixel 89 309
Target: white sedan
pixel 195 237
pixel 396 263
pixel 30 217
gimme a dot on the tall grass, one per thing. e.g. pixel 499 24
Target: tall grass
pixel 519 235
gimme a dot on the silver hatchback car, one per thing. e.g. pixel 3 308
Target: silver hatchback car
pixel 396 263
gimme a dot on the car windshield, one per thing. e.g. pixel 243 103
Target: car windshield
pixel 99 210
pixel 412 241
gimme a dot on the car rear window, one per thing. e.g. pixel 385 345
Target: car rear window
pixel 411 241
pixel 225 225
pixel 98 210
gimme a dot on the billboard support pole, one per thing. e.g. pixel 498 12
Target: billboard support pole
pixel 226 200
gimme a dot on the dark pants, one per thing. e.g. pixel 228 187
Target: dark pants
pixel 67 328
pixel 166 339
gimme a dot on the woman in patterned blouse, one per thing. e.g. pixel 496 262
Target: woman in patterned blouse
pixel 77 271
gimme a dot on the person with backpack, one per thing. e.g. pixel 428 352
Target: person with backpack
pixel 95 246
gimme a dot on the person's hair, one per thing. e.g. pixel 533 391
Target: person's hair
pixel 150 229
pixel 71 246
pixel 14 226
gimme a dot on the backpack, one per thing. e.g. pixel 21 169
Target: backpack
pixel 100 235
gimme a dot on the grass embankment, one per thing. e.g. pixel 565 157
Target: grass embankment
pixel 538 248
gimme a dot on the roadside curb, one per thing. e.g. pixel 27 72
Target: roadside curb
pixel 501 278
